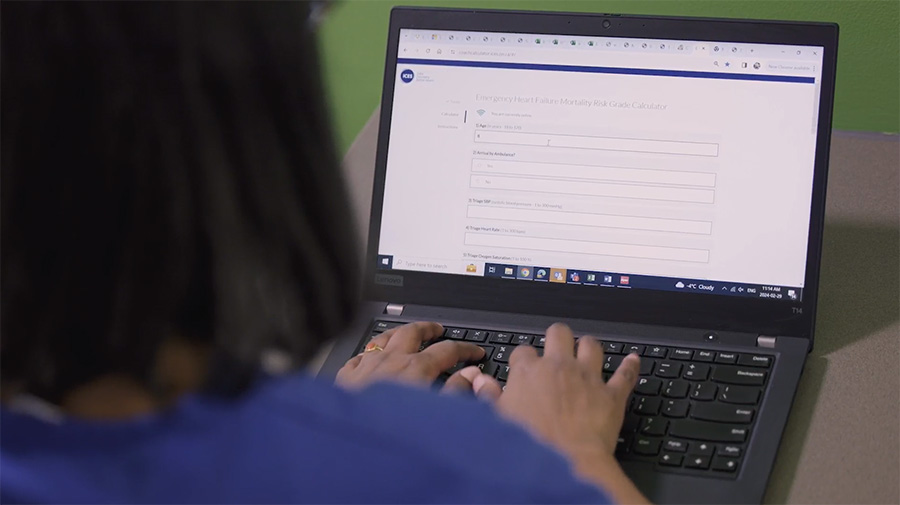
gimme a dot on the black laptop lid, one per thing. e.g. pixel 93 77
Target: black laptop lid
pixel 655 170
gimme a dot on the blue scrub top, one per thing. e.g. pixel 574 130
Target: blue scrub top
pixel 289 440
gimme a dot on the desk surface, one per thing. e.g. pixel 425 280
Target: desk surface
pixel 842 442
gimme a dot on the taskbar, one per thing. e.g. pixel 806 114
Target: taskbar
pixel 619 280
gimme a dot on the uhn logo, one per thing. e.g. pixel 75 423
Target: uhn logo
pixel 407 75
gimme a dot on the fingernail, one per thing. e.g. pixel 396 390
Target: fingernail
pixel 478 383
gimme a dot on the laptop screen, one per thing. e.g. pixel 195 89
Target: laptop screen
pixel 609 162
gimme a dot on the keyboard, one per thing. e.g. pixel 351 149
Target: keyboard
pixel 692 410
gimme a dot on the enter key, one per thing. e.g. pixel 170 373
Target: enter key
pixel 722 413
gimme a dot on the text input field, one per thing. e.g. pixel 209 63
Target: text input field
pixel 654 146
pixel 587 247
pixel 589 219
pixel 592 172
pixel 665 193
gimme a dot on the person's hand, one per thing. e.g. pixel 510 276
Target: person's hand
pixel 394 355
pixel 563 400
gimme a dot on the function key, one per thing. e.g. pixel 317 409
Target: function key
pixel 477 335
pixel 682 354
pixel 385 325
pixel 634 348
pixel 613 347
pixel 521 339
pixel 726 357
pixel 704 355
pixel 501 338
pixel 655 351
pixel 754 360
pixel 455 333
pixel 539 340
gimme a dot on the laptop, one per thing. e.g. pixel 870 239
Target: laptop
pixel 659 182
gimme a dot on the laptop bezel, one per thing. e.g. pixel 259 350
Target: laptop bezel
pixel 704 311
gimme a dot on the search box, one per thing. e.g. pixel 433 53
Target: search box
pixel 652 146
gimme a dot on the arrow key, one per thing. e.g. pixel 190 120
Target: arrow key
pixel 697 461
pixel 721 464
pixel 671 459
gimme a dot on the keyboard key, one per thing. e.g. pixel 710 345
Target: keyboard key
pixel 648 386
pixel 720 464
pixel 623 444
pixel 697 461
pixel 683 354
pixel 726 357
pixel 539 341
pixel 743 395
pixel 703 430
pixel 385 325
pixel 613 347
pixel 740 376
pixel 500 338
pixel 703 449
pixel 731 451
pixel 455 333
pixel 668 370
pixel 522 339
pixel 671 459
pixel 503 372
pixel 676 389
pixel 647 406
pixel 653 427
pixel 611 363
pixel 655 351
pixel 646 446
pixel 696 372
pixel 675 445
pixel 477 335
pixel 675 408
pixel 754 360
pixel 501 355
pixel 704 391
pixel 634 349
pixel 704 356
pixel 722 413
pixel 631 424
pixel 488 352
pixel 647 365
pixel 489 367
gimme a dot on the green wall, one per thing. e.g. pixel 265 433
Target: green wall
pixel 354 33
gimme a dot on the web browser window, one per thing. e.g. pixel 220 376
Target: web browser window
pixel 679 165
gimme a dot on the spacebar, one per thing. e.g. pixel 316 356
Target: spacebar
pixel 702 430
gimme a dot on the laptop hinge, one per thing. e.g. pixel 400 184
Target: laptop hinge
pixel 764 341
pixel 394 309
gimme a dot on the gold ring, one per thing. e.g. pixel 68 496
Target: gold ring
pixel 372 346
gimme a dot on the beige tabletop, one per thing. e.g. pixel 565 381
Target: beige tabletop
pixel 842 443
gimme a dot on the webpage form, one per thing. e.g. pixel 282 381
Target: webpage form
pixel 675 159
